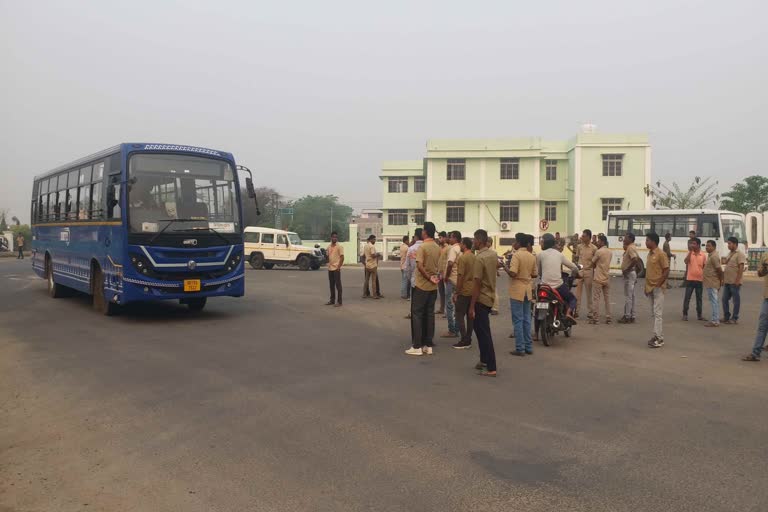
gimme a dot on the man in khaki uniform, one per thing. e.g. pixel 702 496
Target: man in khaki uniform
pixel 656 274
pixel 602 280
pixel 573 246
pixel 450 280
pixel 713 280
pixel 522 269
pixel 335 254
pixel 629 263
pixel 371 269
pixel 735 264
pixel 762 323
pixel 586 251
pixel 462 295
pixel 424 294
pixel 486 266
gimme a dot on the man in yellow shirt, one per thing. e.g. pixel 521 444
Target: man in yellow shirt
pixel 587 251
pixel 486 266
pixel 735 264
pixel 602 280
pixel 424 294
pixel 442 243
pixel 335 254
pixel 450 280
pixel 713 281
pixel 522 269
pixel 629 265
pixel 762 323
pixel 371 269
pixel 656 274
pixel 462 295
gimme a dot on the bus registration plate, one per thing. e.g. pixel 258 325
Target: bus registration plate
pixel 191 285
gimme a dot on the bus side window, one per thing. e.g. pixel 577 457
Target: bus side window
pixel 683 225
pixel 708 227
pixel 114 211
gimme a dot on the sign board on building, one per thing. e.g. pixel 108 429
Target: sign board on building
pixel 544 224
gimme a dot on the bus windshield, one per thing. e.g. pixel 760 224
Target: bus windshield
pixel 190 192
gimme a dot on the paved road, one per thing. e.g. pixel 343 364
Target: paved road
pixel 277 403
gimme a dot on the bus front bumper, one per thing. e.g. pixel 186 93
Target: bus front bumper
pixel 136 289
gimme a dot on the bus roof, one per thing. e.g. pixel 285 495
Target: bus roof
pixel 136 146
pixel 670 212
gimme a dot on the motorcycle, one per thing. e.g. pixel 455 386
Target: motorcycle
pixel 550 312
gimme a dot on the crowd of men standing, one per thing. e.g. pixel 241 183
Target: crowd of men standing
pixel 461 273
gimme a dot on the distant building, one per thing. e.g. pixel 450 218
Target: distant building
pixel 511 185
pixel 369 223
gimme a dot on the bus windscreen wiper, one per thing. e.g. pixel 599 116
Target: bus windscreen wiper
pixel 201 228
pixel 169 222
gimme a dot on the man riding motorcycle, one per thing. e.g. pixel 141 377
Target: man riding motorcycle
pixel 551 262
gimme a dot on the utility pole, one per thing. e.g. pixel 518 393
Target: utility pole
pixel 331 218
pixel 276 206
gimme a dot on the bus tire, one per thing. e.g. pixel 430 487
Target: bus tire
pixel 303 262
pixel 256 260
pixel 196 304
pixel 55 290
pixel 100 303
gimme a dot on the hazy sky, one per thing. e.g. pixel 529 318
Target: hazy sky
pixel 313 96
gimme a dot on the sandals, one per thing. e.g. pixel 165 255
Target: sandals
pixel 486 373
pixel 751 358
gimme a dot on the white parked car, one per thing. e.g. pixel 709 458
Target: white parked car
pixel 267 247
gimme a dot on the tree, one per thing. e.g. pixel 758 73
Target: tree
pixel 3 223
pixel 749 196
pixel 268 200
pixel 315 217
pixel 699 194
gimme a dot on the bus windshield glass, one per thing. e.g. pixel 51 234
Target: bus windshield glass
pixel 733 226
pixel 180 193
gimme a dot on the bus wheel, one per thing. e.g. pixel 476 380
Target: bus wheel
pixel 100 303
pixel 303 263
pixel 196 304
pixel 257 261
pixel 55 290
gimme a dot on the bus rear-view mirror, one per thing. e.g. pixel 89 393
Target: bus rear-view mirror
pixel 249 188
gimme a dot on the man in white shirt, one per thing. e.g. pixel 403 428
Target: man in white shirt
pixel 410 262
pixel 551 262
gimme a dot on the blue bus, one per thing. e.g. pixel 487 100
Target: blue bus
pixel 141 222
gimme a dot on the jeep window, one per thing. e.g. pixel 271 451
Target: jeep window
pixel 294 239
pixel 267 238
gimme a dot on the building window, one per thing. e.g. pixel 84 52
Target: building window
pixel 550 210
pixel 509 211
pixel 551 166
pixel 612 165
pixel 456 169
pixel 419 185
pixel 397 217
pixel 510 168
pixel 611 204
pixel 418 217
pixel 398 185
pixel 368 231
pixel 454 211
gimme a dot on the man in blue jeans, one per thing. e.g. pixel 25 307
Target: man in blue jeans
pixel 521 271
pixel 451 279
pixel 762 324
pixel 735 264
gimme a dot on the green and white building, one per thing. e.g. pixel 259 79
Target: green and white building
pixel 510 185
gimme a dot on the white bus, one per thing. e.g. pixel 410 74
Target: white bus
pixel 708 224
